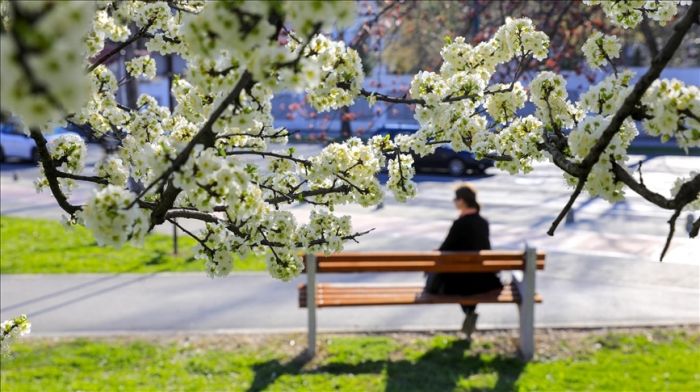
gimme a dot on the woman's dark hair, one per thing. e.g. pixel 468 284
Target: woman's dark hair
pixel 466 193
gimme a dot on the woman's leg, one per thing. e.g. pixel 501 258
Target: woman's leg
pixel 470 317
pixel 468 309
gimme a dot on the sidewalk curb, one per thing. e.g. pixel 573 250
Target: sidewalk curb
pixel 424 329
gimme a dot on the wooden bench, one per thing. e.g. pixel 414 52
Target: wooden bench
pixel 314 295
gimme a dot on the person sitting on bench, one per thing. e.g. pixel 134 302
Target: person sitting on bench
pixel 470 232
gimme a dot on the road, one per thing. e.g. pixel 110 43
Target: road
pixel 602 269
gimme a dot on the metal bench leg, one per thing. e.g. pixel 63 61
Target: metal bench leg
pixel 311 303
pixel 527 305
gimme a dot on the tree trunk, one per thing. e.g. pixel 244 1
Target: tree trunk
pixel 345 123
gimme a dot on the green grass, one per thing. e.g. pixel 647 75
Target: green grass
pixel 42 246
pixel 616 362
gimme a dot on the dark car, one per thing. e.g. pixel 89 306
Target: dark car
pixel 444 159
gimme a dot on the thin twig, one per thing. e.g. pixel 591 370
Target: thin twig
pixel 672 229
pixel 567 207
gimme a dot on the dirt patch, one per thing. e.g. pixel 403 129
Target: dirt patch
pixel 551 344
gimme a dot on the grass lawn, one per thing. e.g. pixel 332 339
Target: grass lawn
pixel 43 246
pixel 639 360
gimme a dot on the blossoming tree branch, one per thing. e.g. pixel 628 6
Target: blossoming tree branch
pixel 192 162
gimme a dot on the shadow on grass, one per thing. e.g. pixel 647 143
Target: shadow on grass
pixel 438 369
pixel 158 258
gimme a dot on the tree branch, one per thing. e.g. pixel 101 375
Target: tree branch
pixel 649 37
pixel 695 228
pixel 108 55
pixel 265 154
pixel 51 172
pixel 78 177
pixel 672 229
pixel 191 214
pixel 622 175
pixel 632 100
pixel 657 65
pixel 204 136
pixel 567 207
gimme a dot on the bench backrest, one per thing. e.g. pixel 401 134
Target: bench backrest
pixel 432 261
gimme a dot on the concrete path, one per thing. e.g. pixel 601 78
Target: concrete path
pixel 602 270
pixel 578 292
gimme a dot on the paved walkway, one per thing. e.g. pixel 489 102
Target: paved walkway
pixel 602 270
pixel 578 292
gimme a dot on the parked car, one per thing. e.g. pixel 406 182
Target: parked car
pixel 16 144
pixel 444 159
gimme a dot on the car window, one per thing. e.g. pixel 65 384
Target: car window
pixel 10 129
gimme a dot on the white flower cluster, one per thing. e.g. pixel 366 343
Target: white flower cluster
pixel 68 153
pixel 284 261
pixel 504 102
pixel 324 226
pixel 352 165
pixel 105 27
pixel 401 172
pixel 304 15
pixel 675 112
pixel 452 96
pixel 114 170
pixel 111 221
pixel 142 66
pixel 518 37
pixel 102 112
pixel 217 250
pixel 217 155
pixel 341 74
pixel 519 140
pixel 693 206
pixel 430 87
pixel 601 181
pixel 629 13
pixel 607 96
pixel 218 28
pixel 10 330
pixel 42 64
pixel 600 48
pixel 548 93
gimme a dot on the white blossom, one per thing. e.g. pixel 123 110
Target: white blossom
pixel 53 54
pixel 694 205
pixel 341 74
pixel 600 48
pixel 601 181
pixel 520 140
pixel 548 93
pixel 111 220
pixel 12 329
pixel 504 102
pixel 629 13
pixel 674 112
pixel 142 66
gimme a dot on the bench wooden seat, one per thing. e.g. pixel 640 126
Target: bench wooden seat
pixel 313 295
pixel 482 261
pixel 357 294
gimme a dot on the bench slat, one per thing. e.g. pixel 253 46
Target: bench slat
pixel 330 294
pixel 423 266
pixel 428 256
pixel 433 261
